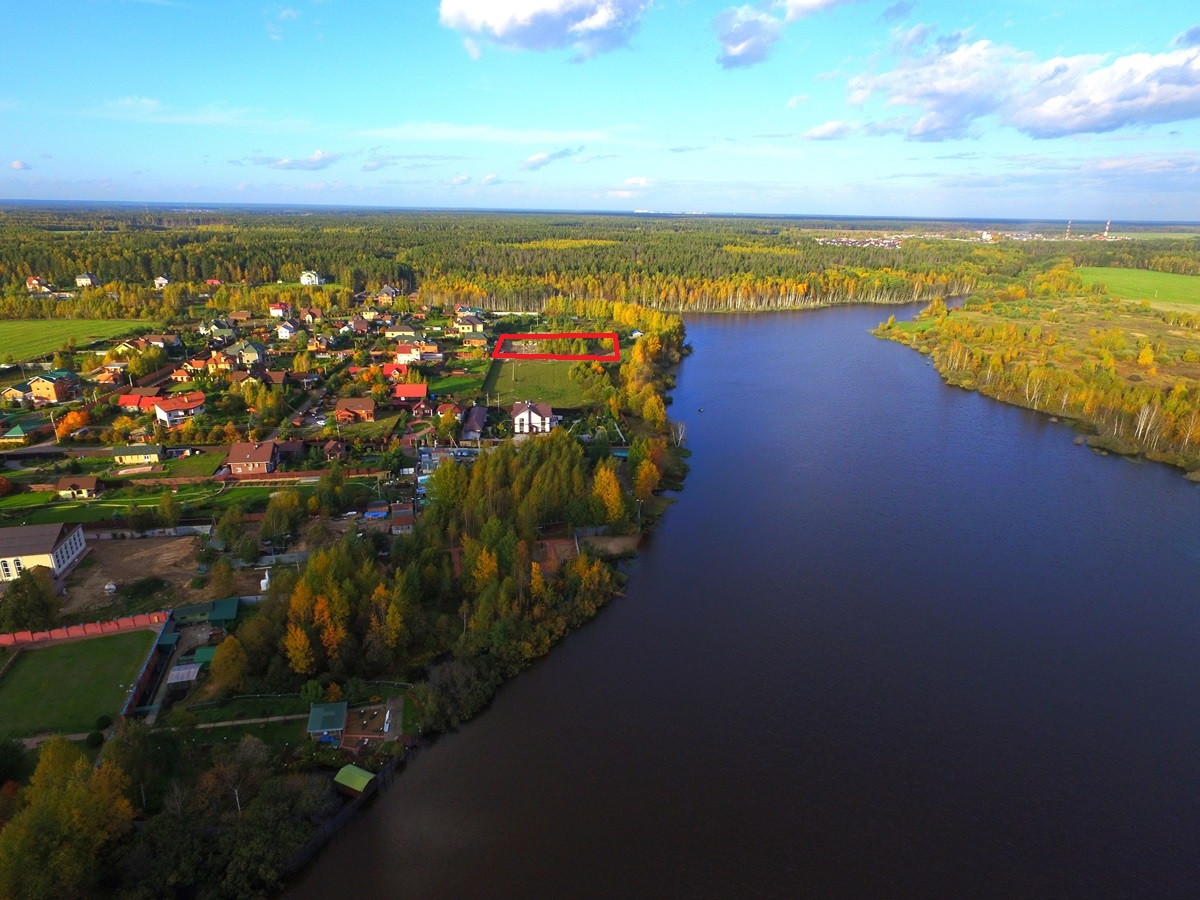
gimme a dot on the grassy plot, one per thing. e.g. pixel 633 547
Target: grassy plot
pixel 65 687
pixel 465 387
pixel 1162 289
pixel 30 338
pixel 539 380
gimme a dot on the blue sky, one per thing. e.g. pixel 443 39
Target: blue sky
pixel 1016 108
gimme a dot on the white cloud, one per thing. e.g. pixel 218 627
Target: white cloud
pixel 319 160
pixel 541 160
pixel 460 179
pixel 954 84
pixel 796 9
pixel 746 35
pixel 18 166
pixel 622 194
pixel 1190 38
pixel 485 134
pixel 829 131
pixel 288 14
pixel 490 178
pixel 588 26
pixel 638 181
pixel 472 47
pixel 793 102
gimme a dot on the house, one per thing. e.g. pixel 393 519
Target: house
pixel 181 376
pixel 470 324
pixel 247 353
pixel 355 409
pixel 387 295
pixel 57 547
pixel 359 325
pixel 220 362
pixel 309 278
pixel 353 780
pixel 474 423
pixel 475 343
pixel 461 310
pixel 420 410
pixel 197 365
pixel 327 722
pixel 86 280
pixel 241 315
pixel 15 393
pixel 160 282
pixel 213 282
pixel 407 353
pixel 26 428
pixel 402 520
pixel 287 330
pixel 166 342
pixel 450 409
pixel 253 458
pixel 409 393
pixel 400 332
pixel 313 316
pixel 140 399
pixel 137 454
pixel 54 386
pixel 219 329
pixel 78 487
pixel 533 418
pixel 36 285
pixel 173 410
pixel 280 310
pixel 334 449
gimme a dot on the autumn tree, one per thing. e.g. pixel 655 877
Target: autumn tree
pixel 607 489
pixel 72 422
pixel 646 481
pixel 299 650
pixel 229 662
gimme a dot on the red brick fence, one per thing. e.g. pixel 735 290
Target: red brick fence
pixel 91 629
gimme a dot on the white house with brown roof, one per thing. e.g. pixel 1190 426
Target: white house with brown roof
pixel 253 457
pixel 173 410
pixel 533 418
pixel 57 547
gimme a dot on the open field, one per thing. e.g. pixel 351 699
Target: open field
pixel 1162 289
pixel 44 507
pixel 171 560
pixel 24 339
pixel 544 380
pixel 65 687
pixel 464 387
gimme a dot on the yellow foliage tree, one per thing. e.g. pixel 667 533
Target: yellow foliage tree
pixel 646 481
pixel 608 489
pixel 299 650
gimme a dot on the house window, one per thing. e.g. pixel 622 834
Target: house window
pixel 17 565
pixel 6 570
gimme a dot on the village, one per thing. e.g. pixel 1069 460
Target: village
pixel 138 468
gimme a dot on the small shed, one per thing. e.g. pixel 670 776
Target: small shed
pixel 204 655
pixel 183 676
pixel 224 611
pixel 353 780
pixel 327 721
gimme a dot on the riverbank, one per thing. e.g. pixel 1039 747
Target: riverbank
pixel 1126 374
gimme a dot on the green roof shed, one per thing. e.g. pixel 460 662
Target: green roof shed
pixel 327 718
pixel 353 779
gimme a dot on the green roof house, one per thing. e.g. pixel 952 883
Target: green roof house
pixel 327 721
pixel 352 779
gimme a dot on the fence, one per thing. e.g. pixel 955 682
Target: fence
pixel 91 629
pixel 328 831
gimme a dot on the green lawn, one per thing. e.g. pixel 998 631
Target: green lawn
pixel 380 428
pixel 1161 289
pixel 539 380
pixel 198 465
pixel 24 339
pixel 464 387
pixel 65 687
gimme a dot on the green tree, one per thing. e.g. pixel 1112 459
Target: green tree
pixel 220 579
pixel 30 602
pixel 169 510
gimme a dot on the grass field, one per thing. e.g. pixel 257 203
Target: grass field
pixel 1161 289
pixel 25 339
pixel 464 387
pixel 65 687
pixel 42 508
pixel 539 380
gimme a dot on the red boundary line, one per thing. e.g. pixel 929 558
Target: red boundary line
pixel 615 356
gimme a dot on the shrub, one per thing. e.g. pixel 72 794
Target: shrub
pixel 94 739
pixel 103 722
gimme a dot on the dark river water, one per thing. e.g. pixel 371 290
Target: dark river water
pixel 894 639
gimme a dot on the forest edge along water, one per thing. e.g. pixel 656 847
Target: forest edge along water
pixel 894 637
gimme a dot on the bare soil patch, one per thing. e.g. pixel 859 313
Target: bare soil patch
pixel 173 559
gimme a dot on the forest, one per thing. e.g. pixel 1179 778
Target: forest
pixel 1127 373
pixel 504 261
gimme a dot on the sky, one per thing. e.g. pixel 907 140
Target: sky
pixel 924 108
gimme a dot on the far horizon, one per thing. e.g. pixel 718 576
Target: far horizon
pixel 194 206
pixel 877 108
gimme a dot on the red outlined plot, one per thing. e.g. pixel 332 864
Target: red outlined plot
pixel 615 356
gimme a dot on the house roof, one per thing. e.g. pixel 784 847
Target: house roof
pixel 327 717
pixel 77 483
pixel 184 674
pixel 251 452
pixel 203 655
pixel 181 402
pixel 541 409
pixel 26 540
pixel 223 610
pixel 23 387
pixel 355 403
pixel 410 391
pixel 138 450
pixel 354 778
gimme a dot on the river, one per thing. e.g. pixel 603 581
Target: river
pixel 894 638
